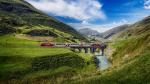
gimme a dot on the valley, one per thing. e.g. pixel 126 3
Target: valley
pixel 36 48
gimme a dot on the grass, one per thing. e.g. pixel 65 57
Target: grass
pixel 24 60
pixel 19 47
pixel 134 72
pixel 130 63
pixel 126 49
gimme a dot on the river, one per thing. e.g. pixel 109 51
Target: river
pixel 103 62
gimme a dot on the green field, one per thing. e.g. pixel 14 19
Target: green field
pixel 22 60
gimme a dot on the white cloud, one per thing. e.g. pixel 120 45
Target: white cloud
pixel 147 4
pixel 99 28
pixel 77 9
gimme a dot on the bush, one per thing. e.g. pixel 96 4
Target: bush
pixel 52 62
pixel 5 29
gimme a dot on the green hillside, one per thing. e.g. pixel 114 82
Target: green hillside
pixel 24 60
pixel 18 16
pixel 130 59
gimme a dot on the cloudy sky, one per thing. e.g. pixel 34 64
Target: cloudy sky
pixel 100 15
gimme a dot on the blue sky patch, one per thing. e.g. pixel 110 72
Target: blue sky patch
pixel 99 15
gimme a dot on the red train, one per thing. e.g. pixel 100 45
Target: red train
pixel 47 44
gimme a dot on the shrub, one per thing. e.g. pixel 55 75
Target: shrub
pixel 52 62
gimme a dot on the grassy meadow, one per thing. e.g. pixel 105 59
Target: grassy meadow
pixel 24 60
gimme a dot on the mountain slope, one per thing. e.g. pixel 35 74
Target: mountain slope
pixel 137 29
pixel 114 31
pixel 20 16
pixel 135 40
pixel 130 59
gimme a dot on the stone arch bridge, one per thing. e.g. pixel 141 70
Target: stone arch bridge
pixel 89 48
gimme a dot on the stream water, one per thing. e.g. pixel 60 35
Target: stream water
pixel 103 62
